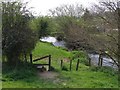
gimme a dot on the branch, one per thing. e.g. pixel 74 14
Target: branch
pixel 113 38
pixel 110 5
pixel 112 59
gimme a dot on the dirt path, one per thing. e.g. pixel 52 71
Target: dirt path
pixel 48 75
pixel 51 76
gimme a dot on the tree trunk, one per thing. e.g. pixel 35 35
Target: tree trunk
pixel 25 56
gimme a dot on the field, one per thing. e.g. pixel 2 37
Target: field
pixel 85 77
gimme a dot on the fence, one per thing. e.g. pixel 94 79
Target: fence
pixel 70 67
pixel 41 58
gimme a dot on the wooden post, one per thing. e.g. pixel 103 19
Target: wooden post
pixel 61 64
pixel 70 65
pixel 30 57
pixel 77 65
pixel 101 62
pixel 49 62
pixel 89 61
pixel 99 59
pixel 25 57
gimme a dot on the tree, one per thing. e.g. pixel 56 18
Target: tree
pixel 118 10
pixel 43 31
pixel 43 26
pixel 68 10
pixel 72 25
pixel 17 37
pixel 108 12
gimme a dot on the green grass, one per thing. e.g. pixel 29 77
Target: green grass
pixel 43 49
pixel 33 82
pixel 85 77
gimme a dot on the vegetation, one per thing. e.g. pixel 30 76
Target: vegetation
pixel 43 26
pixel 85 77
pixel 82 29
pixel 17 37
pixel 95 29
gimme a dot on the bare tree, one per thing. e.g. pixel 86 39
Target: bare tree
pixel 68 18
pixel 108 11
pixel 68 10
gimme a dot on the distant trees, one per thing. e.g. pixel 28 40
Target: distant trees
pixel 44 29
pixel 83 28
pixel 68 10
pixel 68 17
pixel 17 37
pixel 43 26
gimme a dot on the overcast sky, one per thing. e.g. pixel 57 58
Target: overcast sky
pixel 42 6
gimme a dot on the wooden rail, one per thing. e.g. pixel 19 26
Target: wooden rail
pixel 49 62
pixel 40 64
pixel 41 58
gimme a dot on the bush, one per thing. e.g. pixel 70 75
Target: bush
pixel 94 68
pixel 22 71
pixel 64 68
pixel 105 69
pixel 60 37
pixel 81 56
pixel 17 37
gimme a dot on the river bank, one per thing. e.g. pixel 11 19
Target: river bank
pixel 94 56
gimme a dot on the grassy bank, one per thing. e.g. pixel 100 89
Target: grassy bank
pixel 85 77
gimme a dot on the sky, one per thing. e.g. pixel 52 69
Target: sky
pixel 42 6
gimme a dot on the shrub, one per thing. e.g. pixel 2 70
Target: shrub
pixel 105 69
pixel 81 56
pixel 22 71
pixel 17 37
pixel 64 68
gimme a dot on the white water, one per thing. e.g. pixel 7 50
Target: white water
pixel 48 39
pixel 106 61
pixel 54 41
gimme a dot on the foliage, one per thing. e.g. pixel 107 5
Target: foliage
pixel 73 32
pixel 17 36
pixel 43 32
pixel 43 26
pixel 23 76
pixel 75 25
pixel 82 56
pixel 78 29
pixel 108 14
pixel 64 68
pixel 105 69
pixel 92 30
pixel 22 71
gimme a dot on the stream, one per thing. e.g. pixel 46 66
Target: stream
pixel 106 61
pixel 54 41
pixel 94 57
